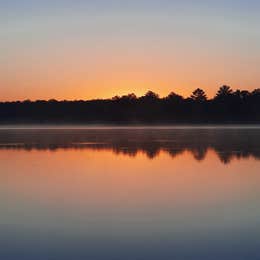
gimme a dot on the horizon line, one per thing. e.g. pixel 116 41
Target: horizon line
pixel 118 96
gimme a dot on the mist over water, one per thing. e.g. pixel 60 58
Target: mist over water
pixel 130 193
pixel 227 142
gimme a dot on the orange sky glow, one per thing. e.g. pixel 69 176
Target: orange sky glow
pixel 88 50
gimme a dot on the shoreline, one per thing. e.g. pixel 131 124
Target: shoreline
pixel 125 126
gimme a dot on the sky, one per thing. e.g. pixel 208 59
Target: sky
pixel 76 49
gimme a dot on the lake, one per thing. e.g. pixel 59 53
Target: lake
pixel 130 193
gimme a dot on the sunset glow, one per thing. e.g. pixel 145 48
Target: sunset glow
pixel 95 49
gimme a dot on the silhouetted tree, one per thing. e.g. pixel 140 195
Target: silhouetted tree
pixel 173 97
pixel 150 95
pixel 52 101
pixel 241 94
pixel 256 92
pixel 199 95
pixel 223 92
pixel 129 97
pixel 27 101
pixel 132 96
pixel 240 106
pixel 115 98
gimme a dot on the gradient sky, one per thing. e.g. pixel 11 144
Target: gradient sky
pixel 75 49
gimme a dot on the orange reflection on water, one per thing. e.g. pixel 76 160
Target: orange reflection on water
pixel 102 181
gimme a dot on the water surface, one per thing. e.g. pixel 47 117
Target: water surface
pixel 130 193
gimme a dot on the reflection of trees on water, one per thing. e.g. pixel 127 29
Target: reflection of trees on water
pixel 227 143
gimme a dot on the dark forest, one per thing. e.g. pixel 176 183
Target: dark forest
pixel 228 106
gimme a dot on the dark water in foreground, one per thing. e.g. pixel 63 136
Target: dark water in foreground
pixel 130 194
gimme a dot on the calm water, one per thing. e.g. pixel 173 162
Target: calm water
pixel 130 194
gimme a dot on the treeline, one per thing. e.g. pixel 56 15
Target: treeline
pixel 227 106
